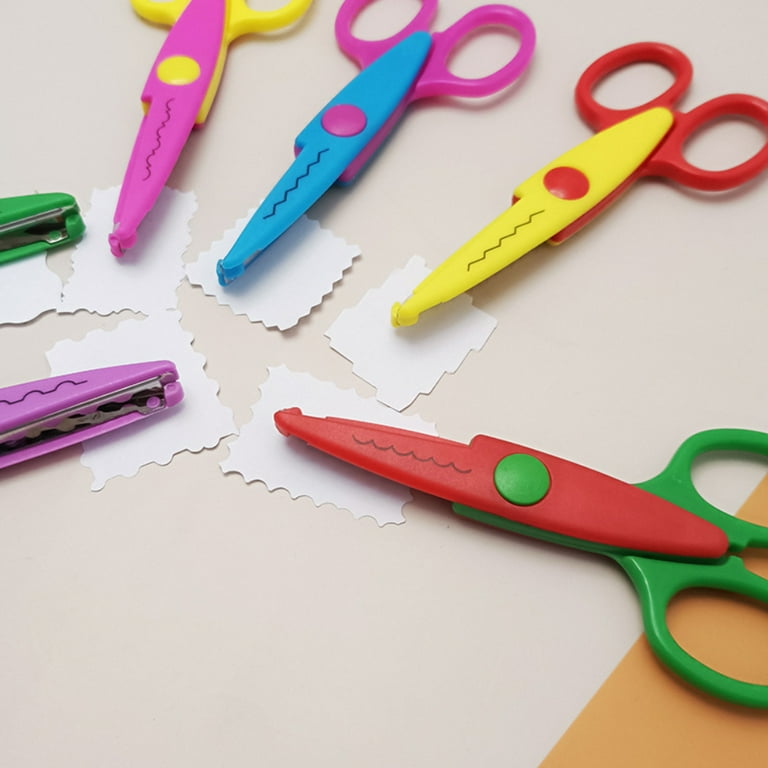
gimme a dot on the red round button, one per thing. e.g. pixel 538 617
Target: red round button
pixel 566 183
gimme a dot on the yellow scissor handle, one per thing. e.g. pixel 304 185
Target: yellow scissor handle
pixel 160 12
pixel 241 18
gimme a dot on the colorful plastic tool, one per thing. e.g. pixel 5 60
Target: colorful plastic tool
pixel 336 144
pixel 42 416
pixel 562 197
pixel 32 224
pixel 180 90
pixel 661 532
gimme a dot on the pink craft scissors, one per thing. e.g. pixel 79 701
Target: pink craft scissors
pixel 180 90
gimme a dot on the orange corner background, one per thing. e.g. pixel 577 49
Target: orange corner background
pixel 644 716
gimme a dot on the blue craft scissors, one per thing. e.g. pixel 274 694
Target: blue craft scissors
pixel 409 65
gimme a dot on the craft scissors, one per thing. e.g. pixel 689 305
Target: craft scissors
pixel 180 90
pixel 661 532
pixel 409 65
pixel 557 201
pixel 32 224
pixel 42 416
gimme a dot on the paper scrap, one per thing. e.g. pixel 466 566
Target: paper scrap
pixel 284 283
pixel 27 289
pixel 146 277
pixel 403 363
pixel 262 453
pixel 198 422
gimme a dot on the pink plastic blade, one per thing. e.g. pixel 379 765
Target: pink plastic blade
pixel 174 96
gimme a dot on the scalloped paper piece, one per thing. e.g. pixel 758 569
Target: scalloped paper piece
pixel 286 282
pixel 261 453
pixel 198 421
pixel 146 277
pixel 27 289
pixel 403 363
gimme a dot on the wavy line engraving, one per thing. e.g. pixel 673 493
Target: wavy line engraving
pixel 43 391
pixel 158 137
pixel 299 178
pixel 502 239
pixel 412 455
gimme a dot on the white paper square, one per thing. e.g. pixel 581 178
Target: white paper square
pixel 198 422
pixel 27 289
pixel 284 283
pixel 403 363
pixel 262 453
pixel 146 277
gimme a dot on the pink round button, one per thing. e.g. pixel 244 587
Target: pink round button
pixel 344 120
pixel 566 183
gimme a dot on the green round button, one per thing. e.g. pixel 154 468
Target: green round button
pixel 521 479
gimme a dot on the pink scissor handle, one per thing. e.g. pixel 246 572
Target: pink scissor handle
pixel 436 79
pixel 364 52
pixel 668 159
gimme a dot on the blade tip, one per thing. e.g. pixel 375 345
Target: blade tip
pixel 283 420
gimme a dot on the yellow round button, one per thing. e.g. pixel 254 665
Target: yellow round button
pixel 178 70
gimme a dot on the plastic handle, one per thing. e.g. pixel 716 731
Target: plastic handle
pixel 675 482
pixel 244 20
pixel 241 18
pixel 437 79
pixel 160 12
pixel 364 52
pixel 657 582
pixel 669 160
pixel 598 116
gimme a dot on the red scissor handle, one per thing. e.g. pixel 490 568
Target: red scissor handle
pixel 597 115
pixel 669 160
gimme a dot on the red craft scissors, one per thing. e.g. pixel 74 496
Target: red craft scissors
pixel 661 532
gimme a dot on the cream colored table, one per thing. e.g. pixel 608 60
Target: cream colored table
pixel 184 618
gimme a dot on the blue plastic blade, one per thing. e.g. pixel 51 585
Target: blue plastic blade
pixel 323 156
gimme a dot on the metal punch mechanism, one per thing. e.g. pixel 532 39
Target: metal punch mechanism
pixel 32 224
pixel 39 417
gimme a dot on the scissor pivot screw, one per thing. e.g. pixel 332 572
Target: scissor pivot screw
pixel 522 479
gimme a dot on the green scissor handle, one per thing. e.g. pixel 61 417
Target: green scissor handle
pixel 675 482
pixel 659 578
pixel 659 581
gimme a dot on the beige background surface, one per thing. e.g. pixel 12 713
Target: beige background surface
pixel 184 618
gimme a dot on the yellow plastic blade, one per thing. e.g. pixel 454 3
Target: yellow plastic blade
pixel 554 197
